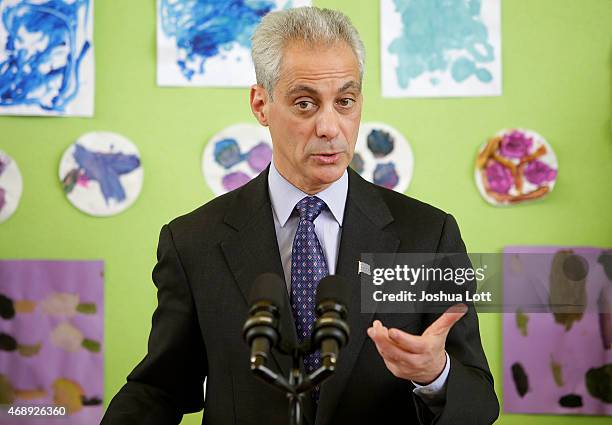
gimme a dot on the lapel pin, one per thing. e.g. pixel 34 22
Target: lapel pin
pixel 363 268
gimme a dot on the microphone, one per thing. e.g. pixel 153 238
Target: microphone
pixel 260 331
pixel 330 332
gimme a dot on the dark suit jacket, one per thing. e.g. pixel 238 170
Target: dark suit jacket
pixel 207 261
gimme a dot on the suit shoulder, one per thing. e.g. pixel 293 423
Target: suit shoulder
pixel 206 215
pixel 404 206
pixel 217 219
pixel 203 228
pixel 428 228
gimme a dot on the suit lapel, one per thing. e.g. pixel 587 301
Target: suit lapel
pixel 363 231
pixel 254 250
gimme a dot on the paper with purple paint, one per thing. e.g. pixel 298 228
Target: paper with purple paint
pixel 235 155
pixel 559 362
pixel 516 165
pixel 383 156
pixel 52 339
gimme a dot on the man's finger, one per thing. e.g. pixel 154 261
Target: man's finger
pixel 377 330
pixel 389 351
pixel 407 341
pixel 377 324
pixel 446 321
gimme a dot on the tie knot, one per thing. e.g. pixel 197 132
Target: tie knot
pixel 309 208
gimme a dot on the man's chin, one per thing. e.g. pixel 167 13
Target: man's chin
pixel 326 175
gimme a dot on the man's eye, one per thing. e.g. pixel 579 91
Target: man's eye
pixel 304 105
pixel 346 102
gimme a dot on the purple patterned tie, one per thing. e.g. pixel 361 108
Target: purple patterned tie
pixel 308 266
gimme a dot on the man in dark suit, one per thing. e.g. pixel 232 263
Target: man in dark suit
pixel 396 368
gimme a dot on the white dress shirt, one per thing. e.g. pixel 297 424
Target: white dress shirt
pixel 284 196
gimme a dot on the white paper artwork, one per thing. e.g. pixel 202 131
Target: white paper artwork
pixel 383 156
pixel 434 48
pixel 11 186
pixel 235 155
pixel 208 42
pixel 46 57
pixel 101 173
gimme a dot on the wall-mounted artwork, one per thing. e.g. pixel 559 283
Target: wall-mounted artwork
pixel 101 173
pixel 235 155
pixel 383 156
pixel 208 42
pixel 560 361
pixel 433 48
pixel 11 186
pixel 52 339
pixel 46 57
pixel 514 166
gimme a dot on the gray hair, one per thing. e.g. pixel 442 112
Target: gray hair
pixel 307 24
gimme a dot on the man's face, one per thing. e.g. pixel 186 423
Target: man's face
pixel 314 118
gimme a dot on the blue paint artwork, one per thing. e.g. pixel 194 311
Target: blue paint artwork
pixel 227 154
pixel 203 29
pixel 386 175
pixel 431 30
pixel 105 168
pixel 380 143
pixel 40 62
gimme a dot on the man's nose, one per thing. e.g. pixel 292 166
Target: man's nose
pixel 327 124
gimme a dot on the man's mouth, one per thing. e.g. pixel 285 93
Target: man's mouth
pixel 326 157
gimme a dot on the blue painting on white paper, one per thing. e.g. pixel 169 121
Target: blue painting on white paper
pixel 101 173
pixel 208 42
pixel 235 155
pixel 441 48
pixel 46 57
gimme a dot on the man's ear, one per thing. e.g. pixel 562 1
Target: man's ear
pixel 259 103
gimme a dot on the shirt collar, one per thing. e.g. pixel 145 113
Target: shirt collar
pixel 284 196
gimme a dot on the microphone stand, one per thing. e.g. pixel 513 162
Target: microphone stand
pixel 330 333
pixel 297 384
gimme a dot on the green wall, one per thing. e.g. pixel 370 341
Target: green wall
pixel 556 80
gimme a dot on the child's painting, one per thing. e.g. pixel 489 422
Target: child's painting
pixel 208 42
pixel 11 186
pixel 101 173
pixel 514 166
pixel 52 341
pixel 440 48
pixel 559 361
pixel 46 57
pixel 383 156
pixel 235 155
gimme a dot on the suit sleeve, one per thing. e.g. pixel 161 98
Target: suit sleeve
pixel 168 382
pixel 470 395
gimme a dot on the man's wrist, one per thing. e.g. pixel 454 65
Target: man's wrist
pixel 436 376
pixel 437 383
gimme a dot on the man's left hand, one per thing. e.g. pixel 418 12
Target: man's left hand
pixel 422 358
